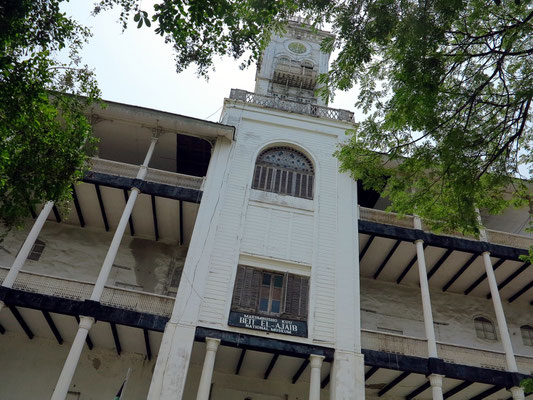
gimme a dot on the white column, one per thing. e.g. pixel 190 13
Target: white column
pixel 119 233
pixel 113 248
pixel 436 386
pixel 63 384
pixel 73 357
pixel 500 316
pixel 347 373
pixel 207 371
pixel 170 374
pixel 26 247
pixel 426 300
pixel 518 393
pixel 434 379
pixel 314 385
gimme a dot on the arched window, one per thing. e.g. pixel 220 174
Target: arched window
pixel 484 328
pixel 527 334
pixel 284 170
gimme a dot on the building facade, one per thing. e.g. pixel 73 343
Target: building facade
pixel 233 260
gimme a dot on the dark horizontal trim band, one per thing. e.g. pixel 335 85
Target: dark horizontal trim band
pixel 147 187
pixel 259 343
pixel 447 242
pixel 427 366
pixel 87 308
pixel 373 358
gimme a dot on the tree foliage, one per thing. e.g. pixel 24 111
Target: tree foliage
pixel 44 133
pixel 446 86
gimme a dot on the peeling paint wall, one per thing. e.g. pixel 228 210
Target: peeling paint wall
pixel 397 310
pixel 78 253
pixel 98 376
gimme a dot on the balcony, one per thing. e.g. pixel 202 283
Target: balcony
pixel 116 168
pixel 72 289
pixel 291 106
pixel 295 75
pixel 407 221
pixel 453 353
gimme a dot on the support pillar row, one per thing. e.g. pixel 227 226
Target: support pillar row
pixel 69 368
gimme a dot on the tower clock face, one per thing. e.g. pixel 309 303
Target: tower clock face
pixel 297 47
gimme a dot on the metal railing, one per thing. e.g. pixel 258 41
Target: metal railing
pixel 80 290
pixel 459 354
pixel 154 175
pixel 496 237
pixel 291 106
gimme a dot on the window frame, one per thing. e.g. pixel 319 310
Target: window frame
pixel 526 331
pixel 36 250
pixel 271 289
pixel 485 329
pixel 294 293
pixel 281 179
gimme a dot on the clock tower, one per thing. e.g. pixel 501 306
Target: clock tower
pixel 291 64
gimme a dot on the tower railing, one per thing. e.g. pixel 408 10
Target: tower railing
pixel 291 106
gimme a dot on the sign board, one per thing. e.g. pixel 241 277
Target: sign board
pixel 268 324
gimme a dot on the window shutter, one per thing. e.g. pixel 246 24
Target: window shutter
pixel 246 290
pixel 297 294
pixel 285 291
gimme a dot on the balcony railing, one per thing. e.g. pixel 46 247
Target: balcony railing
pixel 496 237
pixel 80 290
pixel 458 354
pixel 291 106
pixel 154 175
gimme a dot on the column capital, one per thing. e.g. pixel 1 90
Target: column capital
pixel 417 222
pixel 419 241
pixel 86 322
pixel 517 392
pixel 436 380
pixel 316 360
pixel 212 344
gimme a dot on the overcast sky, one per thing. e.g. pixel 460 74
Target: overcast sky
pixel 137 67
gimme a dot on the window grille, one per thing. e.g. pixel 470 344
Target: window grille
pixel 284 170
pixel 36 250
pixel 527 334
pixel 484 328
pixel 270 293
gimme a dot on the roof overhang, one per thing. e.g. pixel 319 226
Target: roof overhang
pixel 163 120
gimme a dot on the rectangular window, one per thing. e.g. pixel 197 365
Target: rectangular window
pixel 36 250
pixel 270 293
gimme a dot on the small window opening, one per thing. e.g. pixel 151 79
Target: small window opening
pixel 527 334
pixel 485 328
pixel 36 250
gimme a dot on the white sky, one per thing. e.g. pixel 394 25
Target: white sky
pixel 137 67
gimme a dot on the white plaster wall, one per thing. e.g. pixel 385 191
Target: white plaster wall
pixel 30 368
pixel 77 253
pixel 281 230
pixel 278 232
pixel 399 307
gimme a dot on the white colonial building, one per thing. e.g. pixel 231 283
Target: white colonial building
pixel 234 261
